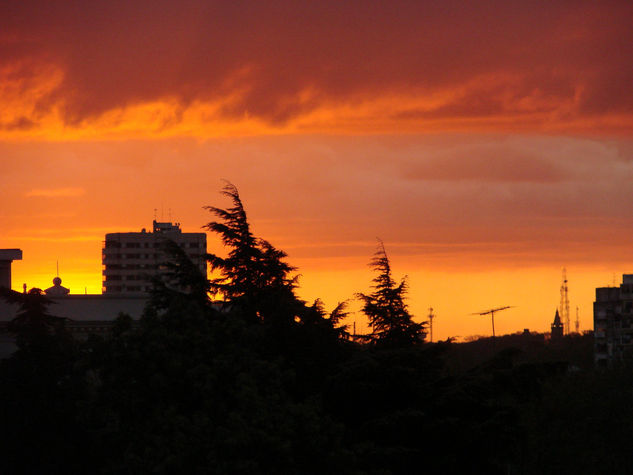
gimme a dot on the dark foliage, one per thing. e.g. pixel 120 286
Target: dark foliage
pixel 41 386
pixel 33 326
pixel 181 281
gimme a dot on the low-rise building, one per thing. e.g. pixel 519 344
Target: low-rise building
pixel 130 260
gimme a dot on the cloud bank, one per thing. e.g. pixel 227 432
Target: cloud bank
pixel 209 68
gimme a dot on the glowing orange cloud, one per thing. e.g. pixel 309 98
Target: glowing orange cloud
pixel 207 69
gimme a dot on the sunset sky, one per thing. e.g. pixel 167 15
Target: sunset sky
pixel 489 144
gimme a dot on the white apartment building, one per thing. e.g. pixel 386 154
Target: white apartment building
pixel 130 260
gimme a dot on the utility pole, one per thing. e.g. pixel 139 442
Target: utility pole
pixel 431 317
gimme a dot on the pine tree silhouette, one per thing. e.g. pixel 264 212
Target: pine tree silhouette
pixel 254 279
pixel 385 307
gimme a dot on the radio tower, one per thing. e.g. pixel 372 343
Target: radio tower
pixel 564 303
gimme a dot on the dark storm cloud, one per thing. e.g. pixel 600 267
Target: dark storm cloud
pixel 265 54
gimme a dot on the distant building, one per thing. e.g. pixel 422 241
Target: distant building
pixel 86 314
pixel 7 256
pixel 613 322
pixel 557 328
pixel 130 260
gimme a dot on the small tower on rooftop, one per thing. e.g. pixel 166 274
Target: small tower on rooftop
pixel 57 290
pixel 557 328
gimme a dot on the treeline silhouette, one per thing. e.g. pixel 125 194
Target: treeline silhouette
pixel 262 382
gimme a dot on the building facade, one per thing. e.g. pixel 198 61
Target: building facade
pixel 613 322
pixel 130 260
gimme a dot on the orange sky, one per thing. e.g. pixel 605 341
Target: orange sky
pixel 488 145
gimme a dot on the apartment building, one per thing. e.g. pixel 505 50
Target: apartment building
pixel 613 322
pixel 130 260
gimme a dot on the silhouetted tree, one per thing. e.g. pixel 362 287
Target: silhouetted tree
pixel 32 323
pixel 182 280
pixel 254 279
pixel 331 321
pixel 385 307
pixel 182 392
pixel 41 385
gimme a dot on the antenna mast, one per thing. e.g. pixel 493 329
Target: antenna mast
pixel 491 312
pixel 564 303
pixel 577 321
pixel 431 317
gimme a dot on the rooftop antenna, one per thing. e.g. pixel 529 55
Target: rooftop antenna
pixel 155 211
pixel 564 303
pixel 491 312
pixel 169 214
pixel 431 317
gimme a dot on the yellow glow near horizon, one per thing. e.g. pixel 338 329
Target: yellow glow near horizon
pixel 533 292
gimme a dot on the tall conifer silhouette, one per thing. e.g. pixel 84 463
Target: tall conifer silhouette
pixel 253 277
pixel 385 307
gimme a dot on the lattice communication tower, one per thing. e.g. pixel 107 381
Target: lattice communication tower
pixel 564 303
